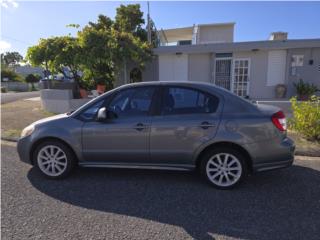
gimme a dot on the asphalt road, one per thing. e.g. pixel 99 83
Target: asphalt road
pixel 136 204
pixel 11 97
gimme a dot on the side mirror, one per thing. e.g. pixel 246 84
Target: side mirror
pixel 104 114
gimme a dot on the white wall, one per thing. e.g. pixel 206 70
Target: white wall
pixel 173 67
pixel 200 67
pixel 215 34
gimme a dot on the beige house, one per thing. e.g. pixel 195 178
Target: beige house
pixel 207 53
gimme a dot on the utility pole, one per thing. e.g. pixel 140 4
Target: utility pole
pixel 149 24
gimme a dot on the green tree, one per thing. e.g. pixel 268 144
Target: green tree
pixel 131 51
pixel 68 55
pixel 111 46
pixel 129 18
pixel 101 50
pixel 43 54
pixel 98 44
pixel 11 58
pixel 57 53
pixel 132 39
pixel 104 23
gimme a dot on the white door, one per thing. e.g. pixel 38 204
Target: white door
pixel 276 67
pixel 241 77
pixel 173 67
pixel 180 67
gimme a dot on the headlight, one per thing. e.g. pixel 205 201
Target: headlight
pixel 27 131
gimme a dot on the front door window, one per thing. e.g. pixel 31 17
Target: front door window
pixel 132 102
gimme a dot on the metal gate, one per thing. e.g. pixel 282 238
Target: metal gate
pixel 222 76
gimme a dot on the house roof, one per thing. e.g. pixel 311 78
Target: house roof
pixel 239 46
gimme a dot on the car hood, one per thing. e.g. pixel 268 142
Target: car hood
pixel 50 119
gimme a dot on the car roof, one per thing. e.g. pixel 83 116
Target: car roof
pixel 176 83
pixel 202 85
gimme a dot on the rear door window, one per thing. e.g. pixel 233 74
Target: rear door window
pixel 179 100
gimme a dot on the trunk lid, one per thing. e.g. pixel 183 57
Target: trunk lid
pixel 267 110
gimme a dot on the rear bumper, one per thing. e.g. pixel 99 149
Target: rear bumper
pixel 272 165
pixel 275 156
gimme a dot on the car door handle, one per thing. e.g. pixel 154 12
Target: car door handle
pixel 206 125
pixel 140 126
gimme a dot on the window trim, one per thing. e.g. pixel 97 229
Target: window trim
pixel 163 88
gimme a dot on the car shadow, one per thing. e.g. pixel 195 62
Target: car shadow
pixel 282 204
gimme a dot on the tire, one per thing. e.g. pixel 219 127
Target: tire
pixel 224 173
pixel 54 159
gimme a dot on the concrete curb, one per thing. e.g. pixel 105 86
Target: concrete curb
pixel 307 154
pixel 10 139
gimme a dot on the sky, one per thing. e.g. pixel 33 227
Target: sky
pixel 23 23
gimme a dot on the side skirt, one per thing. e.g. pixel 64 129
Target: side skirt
pixel 139 166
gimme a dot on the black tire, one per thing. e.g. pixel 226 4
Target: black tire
pixel 233 153
pixel 70 158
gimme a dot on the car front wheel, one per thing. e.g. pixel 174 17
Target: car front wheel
pixel 54 159
pixel 224 168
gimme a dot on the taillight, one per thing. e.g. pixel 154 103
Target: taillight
pixel 279 120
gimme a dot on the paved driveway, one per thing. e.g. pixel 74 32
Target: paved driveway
pixel 11 97
pixel 136 204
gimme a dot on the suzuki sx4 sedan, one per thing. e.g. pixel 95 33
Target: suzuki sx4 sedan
pixel 163 125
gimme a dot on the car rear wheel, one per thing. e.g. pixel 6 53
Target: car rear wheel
pixel 224 168
pixel 54 159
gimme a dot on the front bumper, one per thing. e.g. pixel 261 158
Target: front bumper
pixel 275 156
pixel 24 149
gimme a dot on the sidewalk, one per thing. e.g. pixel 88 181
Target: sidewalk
pixel 15 96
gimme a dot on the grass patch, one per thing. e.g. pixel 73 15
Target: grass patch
pixel 17 115
pixel 12 133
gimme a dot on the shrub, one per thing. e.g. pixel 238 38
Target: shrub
pixel 304 90
pixel 3 89
pixel 11 75
pixel 33 78
pixel 306 117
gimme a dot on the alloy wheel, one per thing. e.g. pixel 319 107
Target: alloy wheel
pixel 52 160
pixel 224 169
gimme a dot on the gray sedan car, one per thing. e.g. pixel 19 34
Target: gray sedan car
pixel 163 125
